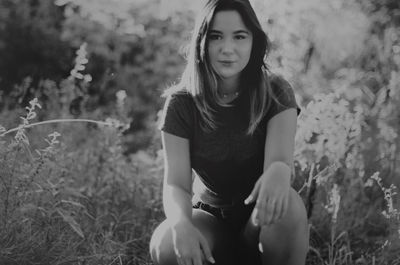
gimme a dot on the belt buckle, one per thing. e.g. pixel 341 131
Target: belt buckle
pixel 226 211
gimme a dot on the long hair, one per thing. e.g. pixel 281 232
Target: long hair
pixel 199 80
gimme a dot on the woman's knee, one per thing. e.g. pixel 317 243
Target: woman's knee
pixel 293 223
pixel 295 218
pixel 297 212
pixel 286 241
pixel 218 237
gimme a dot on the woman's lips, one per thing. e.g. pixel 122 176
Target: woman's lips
pixel 227 63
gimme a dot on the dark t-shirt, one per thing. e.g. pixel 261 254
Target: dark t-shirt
pixel 226 161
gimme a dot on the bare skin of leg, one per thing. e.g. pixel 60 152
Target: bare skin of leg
pixel 285 242
pixel 220 240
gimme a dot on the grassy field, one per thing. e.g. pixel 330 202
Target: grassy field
pixel 72 191
pixel 70 196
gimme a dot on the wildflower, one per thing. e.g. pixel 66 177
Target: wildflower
pixel 2 129
pixel 20 136
pixel 121 95
pixel 334 202
pixel 376 177
pixel 80 62
pixel 53 137
pixel 34 103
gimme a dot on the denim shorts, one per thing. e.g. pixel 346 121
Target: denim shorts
pixel 235 216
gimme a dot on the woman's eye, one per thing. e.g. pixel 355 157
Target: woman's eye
pixel 240 37
pixel 215 37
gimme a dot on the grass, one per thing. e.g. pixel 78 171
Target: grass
pixel 69 194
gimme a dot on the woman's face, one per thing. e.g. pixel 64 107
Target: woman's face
pixel 229 44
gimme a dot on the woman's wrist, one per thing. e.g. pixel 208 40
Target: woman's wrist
pixel 281 164
pixel 178 220
pixel 279 169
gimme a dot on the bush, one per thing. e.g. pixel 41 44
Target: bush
pixel 78 199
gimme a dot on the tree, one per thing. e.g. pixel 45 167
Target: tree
pixel 30 44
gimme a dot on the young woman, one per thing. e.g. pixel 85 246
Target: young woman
pixel 231 123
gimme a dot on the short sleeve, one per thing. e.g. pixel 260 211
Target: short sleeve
pixel 176 116
pixel 284 94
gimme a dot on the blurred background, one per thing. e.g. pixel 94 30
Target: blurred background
pixel 84 192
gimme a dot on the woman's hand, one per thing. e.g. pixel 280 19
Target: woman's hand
pixel 271 193
pixel 191 248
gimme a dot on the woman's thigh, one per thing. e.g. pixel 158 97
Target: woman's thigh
pixel 291 232
pixel 219 237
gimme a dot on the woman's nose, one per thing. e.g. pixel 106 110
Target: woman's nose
pixel 227 46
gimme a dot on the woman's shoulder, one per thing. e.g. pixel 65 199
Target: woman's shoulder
pixel 279 84
pixel 283 92
pixel 277 81
pixel 177 92
pixel 182 95
pixel 179 99
pixel 177 115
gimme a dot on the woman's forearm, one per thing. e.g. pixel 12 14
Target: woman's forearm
pixel 177 204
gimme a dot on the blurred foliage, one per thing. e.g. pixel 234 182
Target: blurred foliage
pixel 97 199
pixel 30 44
pixel 130 47
pixel 77 199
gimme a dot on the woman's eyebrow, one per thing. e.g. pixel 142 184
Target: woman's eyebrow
pixel 240 31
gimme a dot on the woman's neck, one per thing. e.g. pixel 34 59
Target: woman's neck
pixel 228 86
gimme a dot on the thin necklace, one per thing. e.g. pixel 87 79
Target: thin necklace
pixel 225 95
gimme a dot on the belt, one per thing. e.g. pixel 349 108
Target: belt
pixel 222 212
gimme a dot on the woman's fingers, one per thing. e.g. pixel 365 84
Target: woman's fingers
pixel 270 206
pixel 191 256
pixel 206 249
pixel 254 193
pixel 269 211
pixel 255 214
pixel 185 261
pixel 280 210
pixel 272 210
pixel 285 205
pixel 277 211
pixel 197 259
pixel 259 215
pixel 281 207
pixel 180 261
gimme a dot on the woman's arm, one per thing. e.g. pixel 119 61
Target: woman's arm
pixel 189 243
pixel 271 191
pixel 177 187
pixel 279 144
